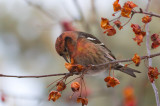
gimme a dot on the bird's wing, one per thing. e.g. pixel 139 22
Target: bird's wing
pixel 95 41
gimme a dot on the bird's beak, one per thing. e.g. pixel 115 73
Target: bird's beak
pixel 65 57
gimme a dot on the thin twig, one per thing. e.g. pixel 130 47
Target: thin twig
pixel 40 9
pixel 56 84
pixel 54 81
pixel 85 87
pixel 147 13
pixel 149 53
pixel 115 18
pixel 81 87
pixel 129 19
pixel 73 80
pixel 79 10
pixel 82 18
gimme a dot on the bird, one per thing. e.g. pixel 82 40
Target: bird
pixel 85 49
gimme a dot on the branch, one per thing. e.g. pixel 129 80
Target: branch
pixel 149 52
pixel 79 10
pixel 116 18
pixel 128 60
pixel 77 73
pixel 145 12
pixel 82 18
pixel 129 19
pixel 40 9
pixel 40 76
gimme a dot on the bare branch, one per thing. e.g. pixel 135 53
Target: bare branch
pixel 79 9
pixel 128 60
pixel 116 18
pixel 82 18
pixel 149 52
pixel 40 9
pixel 40 76
pixel 78 73
pixel 129 19
pixel 147 13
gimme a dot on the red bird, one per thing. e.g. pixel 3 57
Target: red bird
pixel 85 49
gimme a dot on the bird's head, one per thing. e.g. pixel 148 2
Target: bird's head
pixel 65 44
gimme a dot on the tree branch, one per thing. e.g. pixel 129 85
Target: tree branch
pixel 82 18
pixel 147 13
pixel 39 76
pixel 77 73
pixel 149 53
pixel 40 9
pixel 128 60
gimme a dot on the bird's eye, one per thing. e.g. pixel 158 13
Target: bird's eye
pixel 63 52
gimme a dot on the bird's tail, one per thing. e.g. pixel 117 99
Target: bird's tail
pixel 126 70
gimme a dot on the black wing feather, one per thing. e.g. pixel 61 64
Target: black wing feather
pixel 94 40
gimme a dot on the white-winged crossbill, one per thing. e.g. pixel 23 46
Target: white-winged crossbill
pixel 85 49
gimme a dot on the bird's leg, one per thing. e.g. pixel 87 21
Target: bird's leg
pixel 110 68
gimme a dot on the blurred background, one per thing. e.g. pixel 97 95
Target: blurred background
pixel 28 30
